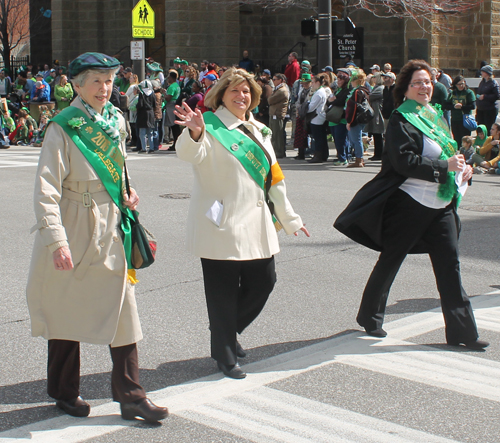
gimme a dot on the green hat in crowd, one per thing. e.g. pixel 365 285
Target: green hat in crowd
pixel 178 60
pixel 184 62
pixel 92 60
pixel 306 62
pixel 154 67
pixel 305 77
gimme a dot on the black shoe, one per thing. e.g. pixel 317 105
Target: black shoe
pixel 298 157
pixel 240 352
pixel 315 160
pixel 374 158
pixel 142 151
pixel 136 149
pixel 77 407
pixel 143 408
pixel 379 332
pixel 477 344
pixel 232 371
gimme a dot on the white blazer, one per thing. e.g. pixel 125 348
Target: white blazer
pixel 246 230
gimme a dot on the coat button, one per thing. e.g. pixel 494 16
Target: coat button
pixel 115 239
pixel 234 147
pixel 99 186
pixel 260 203
pixel 102 244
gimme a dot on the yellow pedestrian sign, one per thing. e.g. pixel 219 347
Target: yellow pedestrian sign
pixel 143 20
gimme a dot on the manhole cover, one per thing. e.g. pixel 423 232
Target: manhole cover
pixel 482 208
pixel 178 196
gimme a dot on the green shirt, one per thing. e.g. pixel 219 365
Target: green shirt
pixel 174 90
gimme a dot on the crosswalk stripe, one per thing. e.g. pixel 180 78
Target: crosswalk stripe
pixel 255 415
pixel 459 372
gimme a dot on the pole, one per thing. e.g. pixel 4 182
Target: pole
pixel 139 66
pixel 324 33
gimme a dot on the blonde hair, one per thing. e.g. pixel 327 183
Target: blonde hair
pixel 233 77
pixel 468 139
pixel 358 74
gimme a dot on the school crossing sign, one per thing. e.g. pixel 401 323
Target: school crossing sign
pixel 143 20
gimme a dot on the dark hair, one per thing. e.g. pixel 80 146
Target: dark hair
pixel 281 77
pixel 173 74
pixel 294 54
pixel 458 79
pixel 263 79
pixel 404 79
pixel 321 79
pixel 197 83
pixel 212 66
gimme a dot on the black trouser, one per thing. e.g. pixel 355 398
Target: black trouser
pixel 236 292
pixel 378 143
pixel 486 118
pixel 63 372
pixel 406 224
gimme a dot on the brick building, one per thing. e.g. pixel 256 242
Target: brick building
pixel 199 29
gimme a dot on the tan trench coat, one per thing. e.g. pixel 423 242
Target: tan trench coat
pixel 93 302
pixel 246 230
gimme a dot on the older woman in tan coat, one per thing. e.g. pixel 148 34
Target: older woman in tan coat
pixel 238 199
pixel 80 287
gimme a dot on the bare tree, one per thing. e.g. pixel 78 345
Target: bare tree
pixel 14 27
pixel 421 11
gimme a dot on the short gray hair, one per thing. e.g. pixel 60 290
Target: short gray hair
pixel 80 79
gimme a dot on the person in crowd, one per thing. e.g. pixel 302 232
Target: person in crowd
pixel 30 122
pixel 131 93
pixel 209 82
pixel 481 65
pixel 305 67
pixel 267 73
pixel 173 92
pixel 318 130
pixel 439 91
pixel 491 146
pixel 190 77
pixel 30 82
pixel 155 72
pixel 61 70
pixel 145 120
pixel 197 90
pixel 236 240
pixel 300 142
pixel 444 78
pixel 387 68
pixel 411 207
pixel 42 94
pixel 246 63
pixel 63 93
pixel 123 81
pixel 46 71
pixel 21 86
pixel 20 134
pixel 203 70
pixel 263 108
pixel 389 79
pixel 339 130
pixel 5 84
pixel 467 149
pixel 212 70
pixel 278 106
pixel 375 127
pixel 481 136
pixel 461 101
pixel 81 288
pixel 487 94
pixel 292 69
pixel 184 64
pixel 159 93
pixel 358 93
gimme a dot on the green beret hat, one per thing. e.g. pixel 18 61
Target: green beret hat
pixel 154 67
pixel 178 60
pixel 92 60
pixel 184 62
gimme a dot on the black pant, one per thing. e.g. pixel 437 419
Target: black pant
pixel 486 118
pixel 406 224
pixel 378 144
pixel 63 372
pixel 236 292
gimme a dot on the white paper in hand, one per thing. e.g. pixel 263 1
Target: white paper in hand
pixel 214 214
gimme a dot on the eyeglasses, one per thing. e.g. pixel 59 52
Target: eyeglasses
pixel 461 84
pixel 420 84
pixel 275 79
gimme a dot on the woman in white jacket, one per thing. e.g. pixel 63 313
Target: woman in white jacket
pixel 318 130
pixel 231 227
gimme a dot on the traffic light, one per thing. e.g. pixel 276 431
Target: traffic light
pixel 309 27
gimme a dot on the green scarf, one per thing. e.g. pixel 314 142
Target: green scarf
pixel 108 120
pixel 433 126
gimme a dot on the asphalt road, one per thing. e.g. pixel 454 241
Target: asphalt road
pixel 313 376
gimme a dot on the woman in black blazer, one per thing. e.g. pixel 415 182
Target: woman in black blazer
pixel 410 207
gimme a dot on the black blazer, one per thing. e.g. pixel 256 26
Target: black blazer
pixel 402 158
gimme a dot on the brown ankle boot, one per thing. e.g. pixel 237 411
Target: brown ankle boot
pixel 359 163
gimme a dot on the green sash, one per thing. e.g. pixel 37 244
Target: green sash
pixel 434 127
pixel 251 156
pixel 105 157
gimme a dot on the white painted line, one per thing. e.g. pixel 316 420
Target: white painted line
pixel 390 356
pixel 15 164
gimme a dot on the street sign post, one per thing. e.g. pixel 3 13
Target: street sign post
pixel 143 20
pixel 137 50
